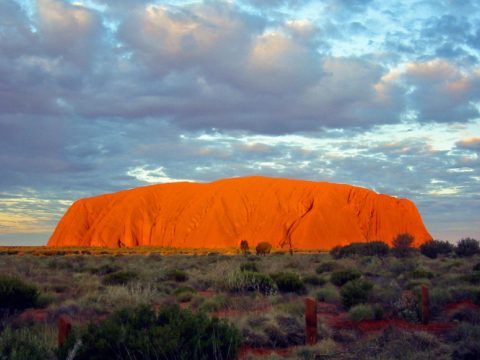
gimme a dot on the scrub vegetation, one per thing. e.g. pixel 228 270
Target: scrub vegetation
pixel 145 303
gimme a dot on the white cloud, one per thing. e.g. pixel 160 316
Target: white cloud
pixel 149 175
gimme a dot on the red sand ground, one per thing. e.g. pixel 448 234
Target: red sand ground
pixel 297 213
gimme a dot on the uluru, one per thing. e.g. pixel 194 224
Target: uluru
pixel 287 213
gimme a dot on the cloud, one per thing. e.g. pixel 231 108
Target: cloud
pixel 102 95
pixel 442 93
pixel 472 143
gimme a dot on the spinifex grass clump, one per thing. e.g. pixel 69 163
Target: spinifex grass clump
pixel 27 343
pixel 140 333
pixel 356 292
pixel 325 267
pixel 16 294
pixel 249 281
pixel 365 312
pixel 176 275
pixel 289 282
pixel 313 279
pixel 248 266
pixel 122 277
pixel 341 277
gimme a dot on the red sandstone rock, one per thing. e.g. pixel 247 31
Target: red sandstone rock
pixel 303 214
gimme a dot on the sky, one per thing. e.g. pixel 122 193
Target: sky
pixel 102 95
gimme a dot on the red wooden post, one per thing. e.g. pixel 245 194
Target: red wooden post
pixel 310 321
pixel 64 328
pixel 425 305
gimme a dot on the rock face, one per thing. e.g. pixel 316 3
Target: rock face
pixel 297 213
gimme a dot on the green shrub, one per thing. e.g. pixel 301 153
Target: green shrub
pixel 402 245
pixel 21 344
pixel 176 275
pixel 249 266
pixel 356 292
pixel 375 248
pixel 365 312
pixel 249 281
pixel 421 274
pixel 433 248
pixel 341 277
pixel 328 294
pixel 184 289
pixel 215 303
pixel 184 293
pixel 439 296
pixel 313 279
pixel 16 294
pixel 289 282
pixel 120 277
pixel 105 269
pixel 140 333
pixel 372 248
pixel 325 267
pixel 467 247
pixel 263 248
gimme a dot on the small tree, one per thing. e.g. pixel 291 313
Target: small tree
pixel 402 244
pixel 433 248
pixel 467 247
pixel 263 248
pixel 244 247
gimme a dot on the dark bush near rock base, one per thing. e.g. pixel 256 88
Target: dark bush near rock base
pixel 372 248
pixel 433 248
pixel 402 245
pixel 467 247
pixel 140 333
pixel 263 248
